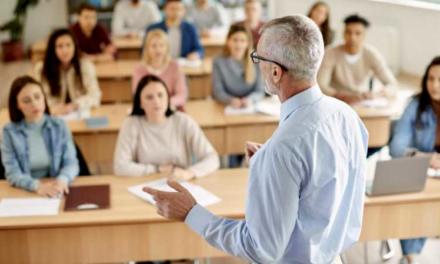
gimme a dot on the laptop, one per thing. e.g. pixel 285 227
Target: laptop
pixel 402 175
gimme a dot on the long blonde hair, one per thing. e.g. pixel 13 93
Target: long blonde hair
pixel 249 68
pixel 156 33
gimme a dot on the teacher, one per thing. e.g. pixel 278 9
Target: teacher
pixel 307 182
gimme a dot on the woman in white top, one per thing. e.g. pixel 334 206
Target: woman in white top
pixel 70 83
pixel 132 17
pixel 156 139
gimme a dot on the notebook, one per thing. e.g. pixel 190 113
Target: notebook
pixel 88 197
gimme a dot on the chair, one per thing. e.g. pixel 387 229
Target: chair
pixel 83 167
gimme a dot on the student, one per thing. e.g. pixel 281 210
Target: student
pixel 418 131
pixel 346 70
pixel 236 80
pixel 93 39
pixel 131 17
pixel 253 22
pixel 183 35
pixel 156 139
pixel 320 14
pixel 207 16
pixel 157 61
pixel 69 82
pixel 36 145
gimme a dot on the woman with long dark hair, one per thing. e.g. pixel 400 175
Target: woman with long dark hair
pixel 36 145
pixel 418 131
pixel 155 139
pixel 320 14
pixel 69 82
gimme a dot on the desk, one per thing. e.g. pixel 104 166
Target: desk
pixel 226 133
pixel 115 80
pixel 130 48
pixel 131 229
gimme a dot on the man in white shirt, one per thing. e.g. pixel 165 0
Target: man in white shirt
pixel 131 17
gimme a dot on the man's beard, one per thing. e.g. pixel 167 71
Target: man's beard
pixel 269 88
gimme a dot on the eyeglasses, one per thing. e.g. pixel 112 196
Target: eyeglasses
pixel 256 59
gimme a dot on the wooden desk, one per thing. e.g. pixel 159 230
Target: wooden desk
pixel 115 80
pixel 130 48
pixel 226 133
pixel 131 229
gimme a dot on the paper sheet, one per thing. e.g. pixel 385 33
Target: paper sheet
pixel 250 109
pixel 202 196
pixel 375 103
pixel 269 107
pixel 76 115
pixel 28 206
pixel 433 173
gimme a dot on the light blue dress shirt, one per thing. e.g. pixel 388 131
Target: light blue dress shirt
pixel 306 188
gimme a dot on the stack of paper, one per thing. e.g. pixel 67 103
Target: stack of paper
pixel 375 103
pixel 189 63
pixel 269 107
pixel 250 109
pixel 76 115
pixel 202 196
pixel 433 173
pixel 28 206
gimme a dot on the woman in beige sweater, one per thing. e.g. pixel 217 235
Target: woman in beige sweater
pixel 69 82
pixel 156 139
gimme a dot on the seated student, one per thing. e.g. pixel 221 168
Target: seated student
pixel 253 22
pixel 208 17
pixel 156 139
pixel 320 14
pixel 183 35
pixel 93 40
pixel 131 17
pixel 36 145
pixel 418 131
pixel 347 68
pixel 69 82
pixel 236 80
pixel 157 61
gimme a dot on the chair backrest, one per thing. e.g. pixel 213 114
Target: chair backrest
pixel 83 167
pixel 2 169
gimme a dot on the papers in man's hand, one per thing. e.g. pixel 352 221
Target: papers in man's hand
pixel 28 206
pixel 202 196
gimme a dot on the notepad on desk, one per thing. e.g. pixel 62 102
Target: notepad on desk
pixel 250 109
pixel 10 207
pixel 88 197
pixel 202 196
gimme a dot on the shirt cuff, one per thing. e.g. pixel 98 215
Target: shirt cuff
pixel 198 219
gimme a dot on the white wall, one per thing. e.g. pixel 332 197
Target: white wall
pixel 418 28
pixel 41 19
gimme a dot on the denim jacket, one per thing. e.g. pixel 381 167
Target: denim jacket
pixel 407 136
pixel 15 153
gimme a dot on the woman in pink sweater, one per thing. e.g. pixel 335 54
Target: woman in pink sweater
pixel 156 60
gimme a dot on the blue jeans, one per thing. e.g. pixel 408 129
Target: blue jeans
pixel 412 246
pixel 235 161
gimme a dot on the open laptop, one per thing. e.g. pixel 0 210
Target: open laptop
pixel 402 175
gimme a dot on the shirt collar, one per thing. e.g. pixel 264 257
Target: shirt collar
pixel 307 96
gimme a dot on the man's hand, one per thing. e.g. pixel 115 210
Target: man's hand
pixel 250 149
pixel 173 205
